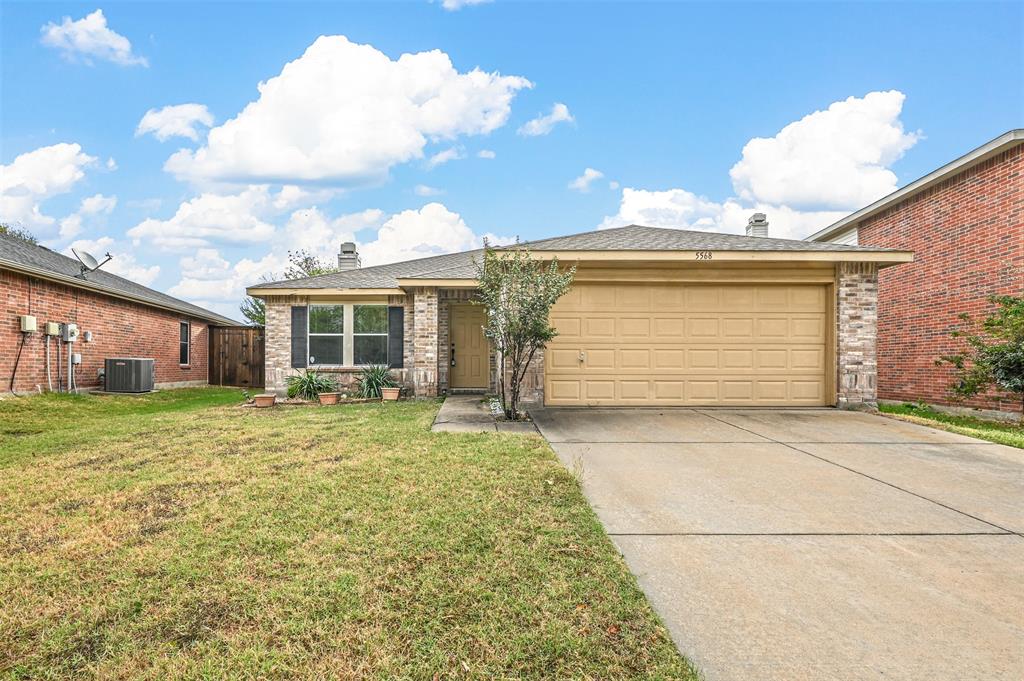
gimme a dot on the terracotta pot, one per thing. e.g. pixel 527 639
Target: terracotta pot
pixel 389 394
pixel 266 400
pixel 329 398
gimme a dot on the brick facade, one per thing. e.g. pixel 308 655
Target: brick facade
pixel 278 347
pixel 427 341
pixel 120 328
pixel 856 334
pixel 967 234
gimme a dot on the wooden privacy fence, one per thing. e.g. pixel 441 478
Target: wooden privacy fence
pixel 236 356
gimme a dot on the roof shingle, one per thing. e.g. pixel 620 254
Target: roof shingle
pixel 631 238
pixel 18 253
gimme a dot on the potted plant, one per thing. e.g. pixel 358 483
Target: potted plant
pixel 376 381
pixel 328 398
pixel 265 400
pixel 309 384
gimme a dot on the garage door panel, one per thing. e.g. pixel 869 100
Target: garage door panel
pixel 669 359
pixel 632 328
pixel 669 329
pixel 567 326
pixel 688 345
pixel 635 359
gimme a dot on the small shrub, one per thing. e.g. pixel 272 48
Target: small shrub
pixel 373 378
pixel 309 384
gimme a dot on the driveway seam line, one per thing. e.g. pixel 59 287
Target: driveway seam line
pixel 870 477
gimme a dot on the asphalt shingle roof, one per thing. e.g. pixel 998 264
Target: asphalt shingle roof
pixel 631 238
pixel 17 253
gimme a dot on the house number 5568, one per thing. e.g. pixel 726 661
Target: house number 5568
pixel 703 255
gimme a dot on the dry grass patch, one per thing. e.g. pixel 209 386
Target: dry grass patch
pixel 187 539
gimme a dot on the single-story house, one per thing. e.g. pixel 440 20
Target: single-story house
pixel 655 317
pixel 115 317
pixel 965 224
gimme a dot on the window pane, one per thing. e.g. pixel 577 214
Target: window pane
pixel 325 350
pixel 183 332
pixel 183 353
pixel 326 318
pixel 371 319
pixel 370 350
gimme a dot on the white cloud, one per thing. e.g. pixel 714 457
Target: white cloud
pixel 613 185
pixel 583 182
pixel 347 113
pixel 123 263
pixel 544 124
pixel 89 38
pixel 98 204
pixel 179 120
pixel 431 230
pixel 210 218
pixel 814 172
pixel 111 164
pixel 37 175
pixel 835 158
pixel 210 280
pixel 291 196
pixel 442 157
pixel 453 5
pixel 680 209
pixel 310 229
pixel 485 153
pixel 424 190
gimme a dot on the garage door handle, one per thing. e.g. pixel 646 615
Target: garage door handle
pixel 583 356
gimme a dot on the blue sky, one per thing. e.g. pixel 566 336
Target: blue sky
pixel 687 115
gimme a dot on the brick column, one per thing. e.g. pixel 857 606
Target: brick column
pixel 425 342
pixel 277 342
pixel 857 334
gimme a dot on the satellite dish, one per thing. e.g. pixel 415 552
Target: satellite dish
pixel 89 263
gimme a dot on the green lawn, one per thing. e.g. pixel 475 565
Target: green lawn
pixel 1005 433
pixel 178 535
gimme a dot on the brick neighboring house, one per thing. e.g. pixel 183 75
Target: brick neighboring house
pixel 654 317
pixel 125 320
pixel 965 224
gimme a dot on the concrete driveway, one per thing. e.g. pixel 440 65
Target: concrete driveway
pixel 813 543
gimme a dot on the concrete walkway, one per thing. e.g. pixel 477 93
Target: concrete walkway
pixel 470 414
pixel 812 544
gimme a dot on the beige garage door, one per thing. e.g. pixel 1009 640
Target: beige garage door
pixel 673 344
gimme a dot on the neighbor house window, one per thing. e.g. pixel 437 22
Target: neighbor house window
pixel 326 334
pixel 370 334
pixel 184 342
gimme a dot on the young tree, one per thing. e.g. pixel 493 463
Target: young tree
pixel 18 233
pixel 994 352
pixel 302 264
pixel 254 311
pixel 305 264
pixel 518 292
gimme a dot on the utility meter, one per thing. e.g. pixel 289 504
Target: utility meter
pixel 69 333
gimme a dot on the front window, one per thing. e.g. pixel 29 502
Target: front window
pixel 370 334
pixel 184 342
pixel 326 334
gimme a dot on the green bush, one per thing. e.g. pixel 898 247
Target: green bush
pixel 373 378
pixel 309 384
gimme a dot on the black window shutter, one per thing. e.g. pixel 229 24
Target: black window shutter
pixel 396 336
pixel 300 353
